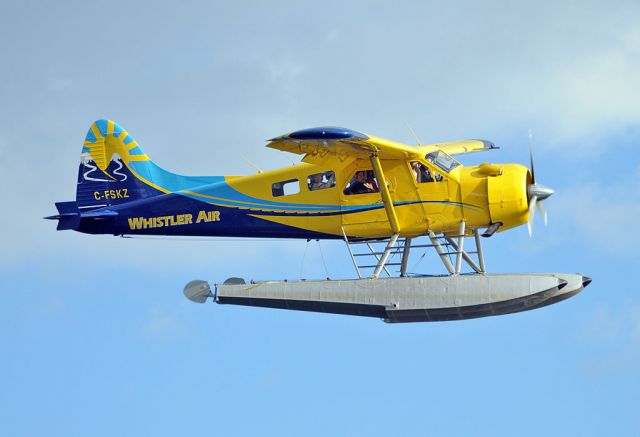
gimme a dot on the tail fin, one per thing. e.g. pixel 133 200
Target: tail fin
pixel 114 170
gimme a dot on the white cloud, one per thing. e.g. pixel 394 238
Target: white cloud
pixel 596 94
pixel 603 215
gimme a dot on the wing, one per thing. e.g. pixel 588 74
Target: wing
pixel 344 142
pixel 464 146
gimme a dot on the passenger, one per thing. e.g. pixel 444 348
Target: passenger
pixel 371 180
pixel 421 172
pixel 317 181
pixel 425 174
pixel 360 185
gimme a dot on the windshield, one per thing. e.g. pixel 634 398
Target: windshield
pixel 441 160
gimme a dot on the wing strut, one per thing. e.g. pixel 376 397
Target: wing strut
pixel 386 197
pixel 391 214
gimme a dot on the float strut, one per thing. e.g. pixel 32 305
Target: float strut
pixel 465 255
pixel 479 250
pixel 441 252
pixel 355 264
pixel 460 248
pixel 405 256
pixel 385 255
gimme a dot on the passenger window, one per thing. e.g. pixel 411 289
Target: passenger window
pixel 285 188
pixel 320 181
pixel 362 182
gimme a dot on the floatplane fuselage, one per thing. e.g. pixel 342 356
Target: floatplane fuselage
pixel 349 186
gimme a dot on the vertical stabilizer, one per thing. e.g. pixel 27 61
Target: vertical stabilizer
pixel 114 170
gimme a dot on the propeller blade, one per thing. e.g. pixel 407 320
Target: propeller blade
pixel 532 210
pixel 533 175
pixel 536 192
pixel 542 211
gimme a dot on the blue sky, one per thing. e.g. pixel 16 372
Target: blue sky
pixel 95 335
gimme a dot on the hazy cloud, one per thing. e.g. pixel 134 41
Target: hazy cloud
pixel 602 214
pixel 160 323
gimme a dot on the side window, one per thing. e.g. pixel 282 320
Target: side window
pixel 422 173
pixel 363 182
pixel 285 188
pixel 320 181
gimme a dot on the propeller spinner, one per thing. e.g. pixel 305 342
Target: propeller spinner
pixel 536 192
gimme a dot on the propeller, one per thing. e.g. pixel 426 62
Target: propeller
pixel 536 193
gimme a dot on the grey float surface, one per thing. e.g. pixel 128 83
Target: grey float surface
pixel 429 298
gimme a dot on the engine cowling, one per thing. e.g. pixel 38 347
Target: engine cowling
pixel 507 195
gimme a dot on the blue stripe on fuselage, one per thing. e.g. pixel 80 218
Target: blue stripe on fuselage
pixel 233 222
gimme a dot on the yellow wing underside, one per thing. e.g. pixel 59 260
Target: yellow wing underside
pixel 364 148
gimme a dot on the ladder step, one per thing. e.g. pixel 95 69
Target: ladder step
pixel 455 253
pixel 376 265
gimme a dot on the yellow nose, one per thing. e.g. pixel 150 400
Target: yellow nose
pixel 507 193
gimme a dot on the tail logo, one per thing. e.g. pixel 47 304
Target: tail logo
pixel 92 173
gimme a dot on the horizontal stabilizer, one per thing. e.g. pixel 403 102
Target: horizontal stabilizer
pixel 67 208
pixel 69 215
pixel 103 213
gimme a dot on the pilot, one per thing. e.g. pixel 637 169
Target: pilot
pixel 421 172
pixel 432 158
pixel 415 167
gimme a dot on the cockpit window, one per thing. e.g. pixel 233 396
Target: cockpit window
pixel 441 160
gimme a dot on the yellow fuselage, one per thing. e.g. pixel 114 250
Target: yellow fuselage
pixel 478 195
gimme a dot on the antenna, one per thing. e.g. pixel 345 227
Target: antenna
pixel 413 133
pixel 251 164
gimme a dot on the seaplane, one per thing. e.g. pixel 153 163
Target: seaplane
pixel 382 198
